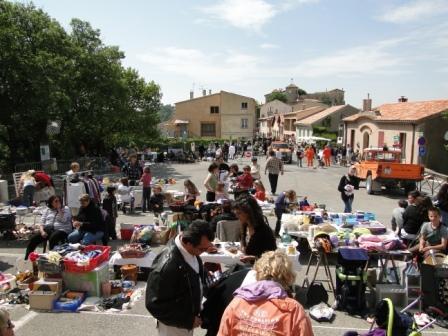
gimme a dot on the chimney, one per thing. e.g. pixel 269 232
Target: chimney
pixel 209 92
pixel 191 94
pixel 204 92
pixel 402 99
pixel 367 104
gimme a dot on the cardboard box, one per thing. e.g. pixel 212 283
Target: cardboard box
pixel 47 285
pixel 89 282
pixel 42 300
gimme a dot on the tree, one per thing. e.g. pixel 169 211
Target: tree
pixel 165 112
pixel 48 74
pixel 276 95
pixel 301 92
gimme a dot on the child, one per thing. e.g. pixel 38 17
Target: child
pixel 125 194
pixel 110 205
pixel 191 192
pixel 260 192
pixel 156 200
pixel 304 202
pixel 281 207
pixel 244 182
pixel 146 182
pixel 433 235
pixel 255 169
pixel 221 194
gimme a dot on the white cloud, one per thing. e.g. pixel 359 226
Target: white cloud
pixel 268 46
pixel 416 10
pixel 203 67
pixel 249 15
pixel 245 14
pixel 355 61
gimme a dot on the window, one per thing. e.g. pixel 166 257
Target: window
pixel 244 123
pixel 214 109
pixel 208 129
pixel 244 106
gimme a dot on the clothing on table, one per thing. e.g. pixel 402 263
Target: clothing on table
pixel 434 236
pixel 156 202
pixel 281 314
pixel 261 241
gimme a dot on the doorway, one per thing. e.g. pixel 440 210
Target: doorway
pixel 365 140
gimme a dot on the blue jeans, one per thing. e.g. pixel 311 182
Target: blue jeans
pixel 85 238
pixel 28 195
pixel 348 205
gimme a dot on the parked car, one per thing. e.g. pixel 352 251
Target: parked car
pixel 284 149
pixel 383 167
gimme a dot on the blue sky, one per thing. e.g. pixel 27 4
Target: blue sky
pixel 387 48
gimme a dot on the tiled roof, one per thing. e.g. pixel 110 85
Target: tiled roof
pixel 404 112
pixel 321 115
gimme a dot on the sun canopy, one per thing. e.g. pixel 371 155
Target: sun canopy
pixel 312 139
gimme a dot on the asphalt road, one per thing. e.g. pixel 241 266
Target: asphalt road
pixel 320 185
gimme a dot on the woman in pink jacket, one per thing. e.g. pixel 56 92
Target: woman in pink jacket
pixel 265 307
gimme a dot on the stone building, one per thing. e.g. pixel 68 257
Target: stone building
pixel 223 115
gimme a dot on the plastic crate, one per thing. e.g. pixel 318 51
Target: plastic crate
pixel 72 266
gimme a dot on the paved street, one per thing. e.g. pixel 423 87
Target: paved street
pixel 320 185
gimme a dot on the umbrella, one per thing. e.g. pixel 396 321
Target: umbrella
pixel 312 139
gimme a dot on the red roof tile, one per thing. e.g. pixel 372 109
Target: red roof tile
pixel 405 112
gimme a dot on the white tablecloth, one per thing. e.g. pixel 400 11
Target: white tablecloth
pixel 117 260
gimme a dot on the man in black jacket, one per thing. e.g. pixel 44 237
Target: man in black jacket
pixel 89 224
pixel 175 284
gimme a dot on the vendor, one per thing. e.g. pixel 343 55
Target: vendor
pixel 281 206
pixel 433 235
pixel 244 182
pixel 6 325
pixel 191 192
pixel 257 236
pixel 55 225
pixel 89 224
pixel 156 201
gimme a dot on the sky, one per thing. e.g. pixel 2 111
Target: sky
pixel 387 48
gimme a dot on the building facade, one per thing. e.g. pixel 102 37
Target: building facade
pixel 220 115
pixel 401 125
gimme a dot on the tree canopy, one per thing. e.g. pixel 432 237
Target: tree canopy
pixel 276 95
pixel 48 74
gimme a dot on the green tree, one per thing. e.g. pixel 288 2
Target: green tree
pixel 165 112
pixel 276 95
pixel 301 92
pixel 48 74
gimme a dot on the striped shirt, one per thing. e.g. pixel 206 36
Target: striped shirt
pixel 274 166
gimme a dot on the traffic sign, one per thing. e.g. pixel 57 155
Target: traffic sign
pixel 422 151
pixel 421 141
